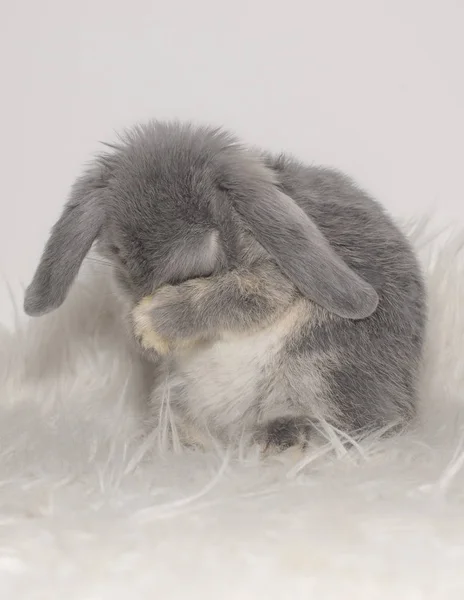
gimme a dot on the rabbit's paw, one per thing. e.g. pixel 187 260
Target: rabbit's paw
pixel 145 329
pixel 283 433
pixel 163 322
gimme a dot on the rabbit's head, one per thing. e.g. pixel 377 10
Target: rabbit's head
pixel 169 203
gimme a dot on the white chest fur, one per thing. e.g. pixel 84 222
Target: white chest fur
pixel 221 382
pixel 216 387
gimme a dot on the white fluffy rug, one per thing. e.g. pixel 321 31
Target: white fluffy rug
pixel 89 510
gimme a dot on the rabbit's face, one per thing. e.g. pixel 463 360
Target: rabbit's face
pixel 161 229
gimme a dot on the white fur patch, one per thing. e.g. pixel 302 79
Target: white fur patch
pixel 221 380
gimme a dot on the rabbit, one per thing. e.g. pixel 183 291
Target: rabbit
pixel 271 296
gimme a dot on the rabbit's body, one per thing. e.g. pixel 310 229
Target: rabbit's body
pixel 309 364
pixel 272 294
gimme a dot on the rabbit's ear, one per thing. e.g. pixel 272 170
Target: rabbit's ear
pixel 71 238
pixel 304 254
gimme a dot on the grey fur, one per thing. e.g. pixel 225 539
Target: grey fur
pixel 249 248
pixel 71 238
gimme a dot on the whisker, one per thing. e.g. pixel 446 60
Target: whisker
pixel 100 261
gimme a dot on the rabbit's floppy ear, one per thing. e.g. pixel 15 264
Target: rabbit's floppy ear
pixel 71 238
pixel 302 251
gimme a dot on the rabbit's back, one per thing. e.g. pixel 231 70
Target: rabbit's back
pixel 375 361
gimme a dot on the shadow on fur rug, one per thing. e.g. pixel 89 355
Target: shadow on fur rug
pixel 90 510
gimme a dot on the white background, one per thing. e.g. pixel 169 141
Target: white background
pixel 375 87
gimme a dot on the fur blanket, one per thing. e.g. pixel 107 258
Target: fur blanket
pixel 90 509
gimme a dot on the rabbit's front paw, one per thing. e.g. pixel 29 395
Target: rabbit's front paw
pixel 283 433
pixel 145 329
pixel 164 321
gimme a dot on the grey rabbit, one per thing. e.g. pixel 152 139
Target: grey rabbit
pixel 271 295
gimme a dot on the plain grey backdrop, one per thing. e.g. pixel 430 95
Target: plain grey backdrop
pixel 374 87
